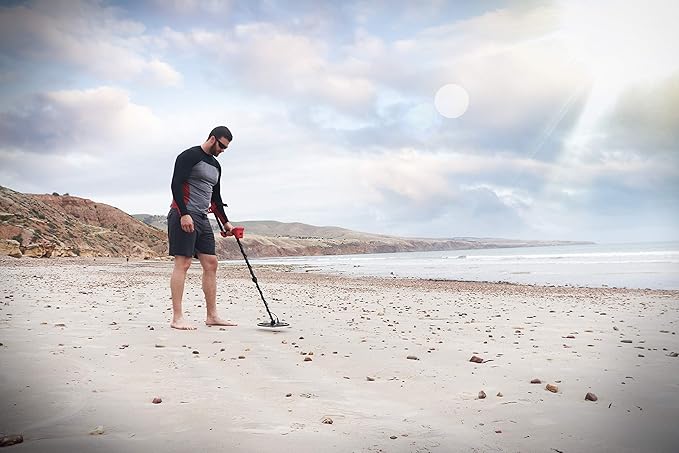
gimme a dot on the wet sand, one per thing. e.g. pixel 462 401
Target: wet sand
pixel 86 347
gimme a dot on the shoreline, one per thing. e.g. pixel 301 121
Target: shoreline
pixel 285 269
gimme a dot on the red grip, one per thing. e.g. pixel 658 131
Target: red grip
pixel 238 231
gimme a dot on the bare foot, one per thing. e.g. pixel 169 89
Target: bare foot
pixel 217 321
pixel 181 324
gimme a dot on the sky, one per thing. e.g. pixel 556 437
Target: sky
pixel 488 118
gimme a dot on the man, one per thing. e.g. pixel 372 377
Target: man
pixel 195 185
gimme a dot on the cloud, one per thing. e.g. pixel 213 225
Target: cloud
pixel 505 194
pixel 465 212
pixel 95 143
pixel 447 194
pixel 419 175
pixel 646 118
pixel 53 122
pixel 365 90
pixel 526 93
pixel 161 72
pixel 609 209
pixel 633 145
pixel 407 174
pixel 192 6
pixel 84 35
pixel 278 63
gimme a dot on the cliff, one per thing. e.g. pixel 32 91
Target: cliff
pixel 55 225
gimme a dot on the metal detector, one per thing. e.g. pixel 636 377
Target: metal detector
pixel 238 233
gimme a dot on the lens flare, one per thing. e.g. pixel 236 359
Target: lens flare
pixel 451 100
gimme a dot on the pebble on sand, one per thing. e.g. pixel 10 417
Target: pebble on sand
pixel 327 420
pixel 482 395
pixel 393 437
pixel 157 400
pixel 288 395
pixel 590 397
pixel 412 357
pixel 552 388
pixel 307 359
pixel 499 395
pixel 97 431
pixel 368 378
pixel 536 381
pixel 11 439
pixel 476 359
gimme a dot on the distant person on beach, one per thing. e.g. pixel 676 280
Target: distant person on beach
pixel 195 184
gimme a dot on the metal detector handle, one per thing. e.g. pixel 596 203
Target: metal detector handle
pixel 238 231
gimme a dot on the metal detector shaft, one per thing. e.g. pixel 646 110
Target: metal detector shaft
pixel 254 279
pixel 252 273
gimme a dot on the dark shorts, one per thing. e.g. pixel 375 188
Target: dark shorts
pixel 202 240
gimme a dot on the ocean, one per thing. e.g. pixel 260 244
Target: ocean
pixel 639 265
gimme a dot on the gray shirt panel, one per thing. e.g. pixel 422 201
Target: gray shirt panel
pixel 203 178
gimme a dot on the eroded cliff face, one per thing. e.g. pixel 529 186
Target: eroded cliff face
pixel 54 225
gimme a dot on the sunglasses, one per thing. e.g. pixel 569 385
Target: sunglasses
pixel 221 145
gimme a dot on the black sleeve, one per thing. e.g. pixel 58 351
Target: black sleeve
pixel 182 170
pixel 217 193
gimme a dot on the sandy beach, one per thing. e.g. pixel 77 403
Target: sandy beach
pixel 86 346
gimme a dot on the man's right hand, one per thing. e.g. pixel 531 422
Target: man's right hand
pixel 187 223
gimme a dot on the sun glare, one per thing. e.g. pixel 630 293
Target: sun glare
pixel 622 43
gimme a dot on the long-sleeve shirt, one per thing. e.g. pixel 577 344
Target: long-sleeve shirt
pixel 195 182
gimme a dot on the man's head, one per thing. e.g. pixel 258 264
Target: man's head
pixel 219 140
